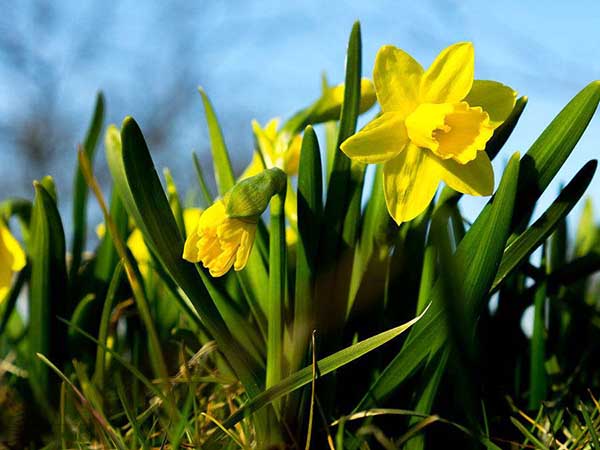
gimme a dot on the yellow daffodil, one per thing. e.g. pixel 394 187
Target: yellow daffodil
pixel 434 126
pixel 220 242
pixel 279 149
pixel 12 259
pixel 329 106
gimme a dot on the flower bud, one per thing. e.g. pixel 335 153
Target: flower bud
pixel 250 197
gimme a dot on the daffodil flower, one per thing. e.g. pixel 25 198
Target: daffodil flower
pixel 224 235
pixel 434 127
pixel 279 149
pixel 219 241
pixel 329 106
pixel 12 259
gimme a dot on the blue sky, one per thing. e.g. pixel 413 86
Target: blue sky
pixel 258 60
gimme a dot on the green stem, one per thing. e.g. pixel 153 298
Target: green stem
pixel 277 274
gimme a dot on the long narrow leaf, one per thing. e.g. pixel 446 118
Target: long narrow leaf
pixel 222 164
pixel 478 255
pixel 48 297
pixel 324 366
pixel 135 176
pixel 80 189
pixel 522 246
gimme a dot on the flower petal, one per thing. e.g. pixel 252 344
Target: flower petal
pixel 409 183
pixel 245 247
pixel 397 77
pixel 474 178
pixel 450 76
pixel 13 255
pixel 495 98
pixel 190 249
pixel 382 139
pixel 255 167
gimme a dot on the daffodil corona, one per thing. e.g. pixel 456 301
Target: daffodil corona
pixel 12 259
pixel 219 241
pixel 434 127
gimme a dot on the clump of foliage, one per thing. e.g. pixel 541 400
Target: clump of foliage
pixel 135 346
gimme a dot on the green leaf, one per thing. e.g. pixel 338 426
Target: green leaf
pixel 81 314
pixel 537 376
pixel 103 328
pixel 587 235
pixel 503 132
pixel 8 303
pixel 310 209
pixel 48 296
pixel 431 381
pixel 477 256
pixel 80 189
pixel 20 208
pixel 222 164
pixel 206 195
pixel 277 293
pixel 550 151
pixel 373 232
pixel 138 184
pixel 304 376
pixel 97 416
pixel 523 245
pixel 339 191
pixel 107 256
pixel 174 201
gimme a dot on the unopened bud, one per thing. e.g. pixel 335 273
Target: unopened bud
pixel 250 197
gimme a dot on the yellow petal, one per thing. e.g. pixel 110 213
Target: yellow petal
pixel 329 106
pixel 191 216
pixel 12 259
pixel 397 77
pixel 255 167
pixel 474 178
pixel 494 98
pixel 450 77
pixel 271 128
pixel 243 251
pixel 138 248
pixel 381 140
pixel 190 249
pixel 12 253
pixel 266 138
pixel 367 95
pixel 291 156
pixel 409 182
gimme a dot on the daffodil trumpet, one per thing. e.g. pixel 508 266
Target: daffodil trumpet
pixel 224 234
pixel 434 127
